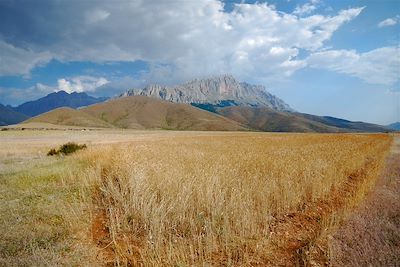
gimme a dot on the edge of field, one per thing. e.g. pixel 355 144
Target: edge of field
pixel 371 234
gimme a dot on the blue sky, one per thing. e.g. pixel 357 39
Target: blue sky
pixel 325 57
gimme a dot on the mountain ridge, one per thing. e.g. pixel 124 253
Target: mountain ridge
pixel 137 112
pixel 214 90
pixel 56 100
pixel 394 126
pixel 265 119
pixel 9 116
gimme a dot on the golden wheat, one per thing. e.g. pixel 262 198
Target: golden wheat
pixel 195 200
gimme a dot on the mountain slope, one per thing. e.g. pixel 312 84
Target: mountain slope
pixel 141 112
pixel 56 100
pixel 214 91
pixel 9 116
pixel 265 119
pixel 394 126
pixel 355 126
pixel 70 117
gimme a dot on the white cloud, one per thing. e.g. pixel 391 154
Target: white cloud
pixel 80 84
pixel 16 96
pixel 306 9
pixel 183 39
pixel 18 61
pixel 389 22
pixel 379 66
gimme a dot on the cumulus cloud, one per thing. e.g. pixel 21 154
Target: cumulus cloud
pixel 16 96
pixel 379 66
pixel 80 84
pixel 389 22
pixel 179 39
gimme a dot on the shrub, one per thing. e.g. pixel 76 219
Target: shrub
pixel 70 147
pixel 66 149
pixel 52 152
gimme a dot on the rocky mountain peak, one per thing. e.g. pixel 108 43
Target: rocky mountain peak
pixel 214 90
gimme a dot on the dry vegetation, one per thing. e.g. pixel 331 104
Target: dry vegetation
pixel 69 116
pixel 134 112
pixel 180 199
pixel 227 200
pixel 371 235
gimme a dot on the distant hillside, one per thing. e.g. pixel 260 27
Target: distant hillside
pixel 9 116
pixel 265 119
pixel 70 117
pixel 56 100
pixel 141 112
pixel 394 126
pixel 346 125
pixel 224 88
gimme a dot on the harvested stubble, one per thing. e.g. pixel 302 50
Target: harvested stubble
pixel 215 199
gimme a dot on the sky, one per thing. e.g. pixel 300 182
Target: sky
pixel 325 57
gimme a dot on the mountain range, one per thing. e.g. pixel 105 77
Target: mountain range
pixel 56 100
pixel 9 116
pixel 218 103
pixel 394 126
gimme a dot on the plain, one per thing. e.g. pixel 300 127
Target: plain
pixel 151 198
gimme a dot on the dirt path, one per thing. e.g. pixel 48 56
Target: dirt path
pixel 371 235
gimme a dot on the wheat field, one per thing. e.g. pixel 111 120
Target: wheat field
pixel 250 199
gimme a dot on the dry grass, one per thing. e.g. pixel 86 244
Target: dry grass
pixel 371 235
pixel 69 116
pixel 141 112
pixel 237 200
pixel 41 222
pixel 162 198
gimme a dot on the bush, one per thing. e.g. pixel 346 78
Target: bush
pixel 52 152
pixel 66 149
pixel 70 147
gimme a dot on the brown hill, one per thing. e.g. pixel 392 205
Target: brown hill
pixel 265 119
pixel 70 117
pixel 141 112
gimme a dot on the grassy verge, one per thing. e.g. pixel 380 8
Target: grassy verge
pixel 40 215
pixel 371 235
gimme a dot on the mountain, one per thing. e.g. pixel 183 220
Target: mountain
pixel 141 112
pixel 71 117
pixel 266 119
pixel 394 126
pixel 56 100
pixel 9 116
pixel 355 126
pixel 269 120
pixel 216 90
